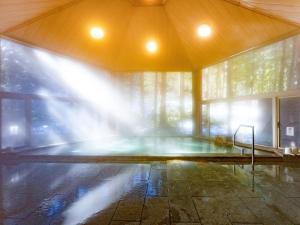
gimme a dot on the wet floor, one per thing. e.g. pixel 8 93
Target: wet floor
pixel 175 192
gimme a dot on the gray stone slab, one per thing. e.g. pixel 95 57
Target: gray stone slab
pixel 182 209
pixel 124 223
pixel 156 211
pixel 210 212
pixel 129 210
pixel 268 215
pixel 103 217
pixel 186 224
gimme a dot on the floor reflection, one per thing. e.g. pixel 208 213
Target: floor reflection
pixel 175 192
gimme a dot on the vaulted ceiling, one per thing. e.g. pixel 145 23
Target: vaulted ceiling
pixel 284 9
pixel 63 26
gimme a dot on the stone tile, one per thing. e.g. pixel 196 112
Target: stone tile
pixel 236 211
pixel 284 205
pixel 129 210
pixel 247 224
pixel 157 192
pixel 182 209
pixel 210 212
pixel 186 224
pixel 136 190
pixel 156 211
pixel 157 184
pixel 10 221
pixel 295 201
pixel 179 188
pixel 268 215
pixel 103 217
pixel 124 223
pixel 291 190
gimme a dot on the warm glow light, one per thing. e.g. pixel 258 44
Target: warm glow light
pixel 97 33
pixel 204 31
pixel 151 46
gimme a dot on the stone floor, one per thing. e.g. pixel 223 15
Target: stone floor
pixel 176 193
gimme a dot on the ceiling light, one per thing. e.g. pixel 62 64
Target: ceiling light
pixel 204 31
pixel 151 46
pixel 97 33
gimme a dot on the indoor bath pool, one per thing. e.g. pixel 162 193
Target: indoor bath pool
pixel 143 147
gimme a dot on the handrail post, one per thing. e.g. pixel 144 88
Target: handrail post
pixel 253 148
pixel 253 142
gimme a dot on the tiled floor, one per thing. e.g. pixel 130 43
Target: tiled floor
pixel 158 193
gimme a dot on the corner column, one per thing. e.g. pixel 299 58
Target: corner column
pixel 197 97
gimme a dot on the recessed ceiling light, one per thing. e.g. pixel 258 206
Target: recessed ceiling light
pixel 97 33
pixel 204 31
pixel 151 46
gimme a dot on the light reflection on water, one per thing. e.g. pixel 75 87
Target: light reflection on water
pixel 98 198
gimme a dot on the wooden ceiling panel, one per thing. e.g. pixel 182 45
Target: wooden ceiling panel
pixel 235 28
pixel 152 23
pixel 67 31
pixel 286 9
pixel 148 2
pixel 14 12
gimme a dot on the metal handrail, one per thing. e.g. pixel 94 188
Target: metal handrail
pixel 253 141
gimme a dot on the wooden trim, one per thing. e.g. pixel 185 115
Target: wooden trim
pixel 281 94
pixel 257 147
pixel 21 96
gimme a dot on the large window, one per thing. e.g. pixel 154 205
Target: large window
pixel 162 102
pixel 215 82
pixel 48 99
pixel 24 70
pixel 259 76
pixel 222 119
pixel 275 68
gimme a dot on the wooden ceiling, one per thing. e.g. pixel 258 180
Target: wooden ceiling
pixel 14 12
pixel 173 25
pixel 285 9
pixel 148 2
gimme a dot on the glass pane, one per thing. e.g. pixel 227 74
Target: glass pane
pixel 24 71
pixel 50 122
pixel 257 113
pixel 214 82
pixel 290 122
pixel 219 117
pixel 150 101
pixel 173 99
pixel 13 123
pixel 205 120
